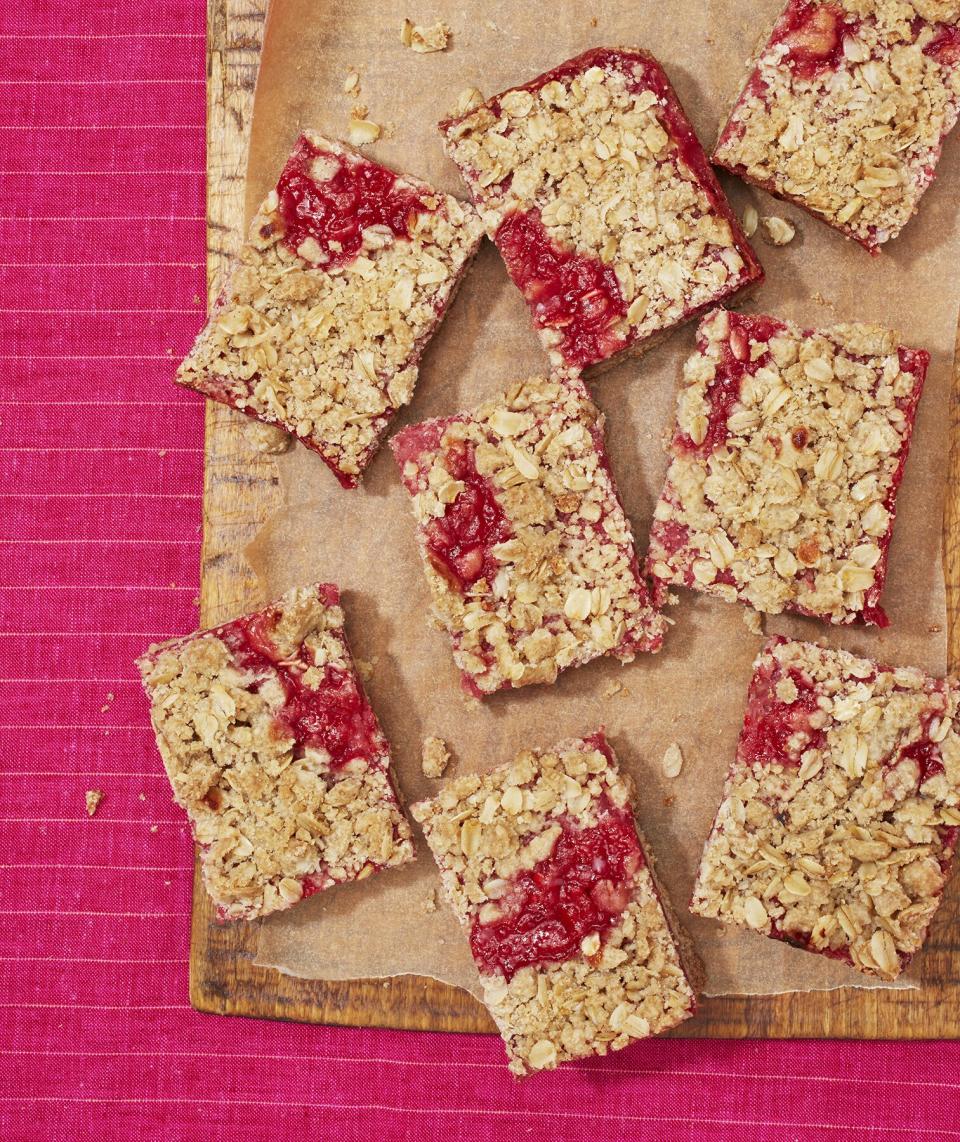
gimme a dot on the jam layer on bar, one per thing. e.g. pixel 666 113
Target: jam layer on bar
pixel 840 814
pixel 527 551
pixel 346 274
pixel 787 456
pixel 541 862
pixel 275 754
pixel 846 109
pixel 595 189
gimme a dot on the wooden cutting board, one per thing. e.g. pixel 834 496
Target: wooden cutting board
pixel 241 490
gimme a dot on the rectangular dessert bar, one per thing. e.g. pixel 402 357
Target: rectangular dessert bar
pixel 598 195
pixel 787 456
pixel 846 108
pixel 526 548
pixel 840 814
pixel 346 274
pixel 274 752
pixel 542 864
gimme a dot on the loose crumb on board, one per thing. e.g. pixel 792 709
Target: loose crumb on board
pixel 435 757
pixel 268 438
pixel 362 132
pixel 778 231
pixel 753 621
pixel 424 38
pixel 430 901
pixel 672 760
pixel 612 688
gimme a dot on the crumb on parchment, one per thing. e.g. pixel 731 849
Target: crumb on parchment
pixel 435 757
pixel 423 39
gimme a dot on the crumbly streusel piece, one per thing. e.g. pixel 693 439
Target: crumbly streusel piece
pixel 598 195
pixel 788 453
pixel 346 274
pixel 542 864
pixel 846 108
pixel 841 811
pixel 527 551
pixel 275 754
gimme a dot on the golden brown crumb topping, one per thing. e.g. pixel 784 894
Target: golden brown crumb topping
pixel 847 108
pixel 787 457
pixel 330 352
pixel 275 819
pixel 560 583
pixel 485 829
pixel 841 811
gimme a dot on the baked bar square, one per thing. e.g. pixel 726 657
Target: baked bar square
pixel 345 276
pixel 527 550
pixel 841 811
pixel 846 108
pixel 787 456
pixel 543 866
pixel 274 752
pixel 598 195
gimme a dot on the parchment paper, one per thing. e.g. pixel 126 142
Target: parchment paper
pixel 692 692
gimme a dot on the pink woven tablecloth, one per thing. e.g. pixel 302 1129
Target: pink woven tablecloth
pixel 102 245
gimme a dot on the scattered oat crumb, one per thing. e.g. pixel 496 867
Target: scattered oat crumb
pixel 351 83
pixel 363 131
pixel 672 760
pixel 268 437
pixel 935 629
pixel 468 98
pixel 612 688
pixel 753 621
pixel 668 801
pixel 430 903
pixel 141 796
pixel 162 453
pixel 365 668
pixel 153 828
pixel 94 797
pixel 104 707
pixel 435 757
pixel 778 231
pixel 433 38
pixel 359 110
pixel 593 21
pixel 821 300
pixel 673 598
pixel 751 220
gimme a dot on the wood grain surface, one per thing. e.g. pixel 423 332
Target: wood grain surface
pixel 241 490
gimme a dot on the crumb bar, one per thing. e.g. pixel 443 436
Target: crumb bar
pixel 841 811
pixel 542 864
pixel 598 195
pixel 346 274
pixel 526 548
pixel 274 752
pixel 787 456
pixel 846 108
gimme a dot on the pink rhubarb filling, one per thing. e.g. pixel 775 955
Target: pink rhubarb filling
pixel 581 888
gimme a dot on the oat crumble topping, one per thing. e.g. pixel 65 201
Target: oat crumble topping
pixel 592 184
pixel 526 548
pixel 846 108
pixel 788 453
pixel 625 980
pixel 841 811
pixel 322 334
pixel 274 753
pixel 435 757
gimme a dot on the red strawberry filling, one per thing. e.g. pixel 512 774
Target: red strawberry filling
pixel 336 208
pixel 576 295
pixel 333 716
pixel 813 33
pixel 945 46
pixel 581 888
pixel 459 542
pixel 775 731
